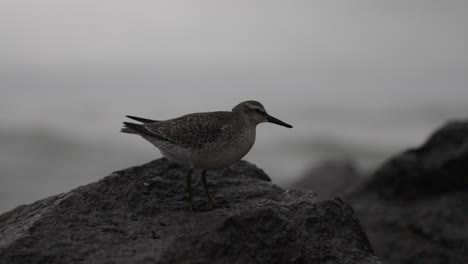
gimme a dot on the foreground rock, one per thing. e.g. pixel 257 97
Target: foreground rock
pixel 415 207
pixel 139 215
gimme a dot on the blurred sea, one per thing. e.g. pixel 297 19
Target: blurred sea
pixel 360 79
pixel 60 127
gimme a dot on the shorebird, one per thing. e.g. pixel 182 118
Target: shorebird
pixel 206 141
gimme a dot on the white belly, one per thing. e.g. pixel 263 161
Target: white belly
pixel 222 157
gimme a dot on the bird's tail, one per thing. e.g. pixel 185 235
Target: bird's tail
pixel 132 128
pixel 128 130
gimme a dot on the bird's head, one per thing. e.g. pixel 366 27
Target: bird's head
pixel 256 113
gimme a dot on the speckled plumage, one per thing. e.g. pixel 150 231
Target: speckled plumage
pixel 203 140
pixel 210 140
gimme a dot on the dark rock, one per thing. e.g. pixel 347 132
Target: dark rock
pixel 439 166
pixel 415 207
pixel 139 215
pixel 330 178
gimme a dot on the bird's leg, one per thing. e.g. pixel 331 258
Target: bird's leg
pixel 189 187
pixel 205 185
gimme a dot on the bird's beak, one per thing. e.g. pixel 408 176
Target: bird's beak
pixel 277 121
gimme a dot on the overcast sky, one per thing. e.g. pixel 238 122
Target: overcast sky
pixel 290 54
pixel 388 34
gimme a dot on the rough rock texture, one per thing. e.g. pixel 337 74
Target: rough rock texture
pixel 139 215
pixel 330 178
pixel 415 207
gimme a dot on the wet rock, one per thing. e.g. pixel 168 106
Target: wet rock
pixel 139 215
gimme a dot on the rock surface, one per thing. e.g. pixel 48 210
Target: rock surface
pixel 415 207
pixel 139 215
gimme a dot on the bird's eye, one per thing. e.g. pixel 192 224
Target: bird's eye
pixel 258 110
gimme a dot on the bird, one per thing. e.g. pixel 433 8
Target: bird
pixel 206 140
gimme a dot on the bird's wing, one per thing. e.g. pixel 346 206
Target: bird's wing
pixel 141 119
pixel 193 130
